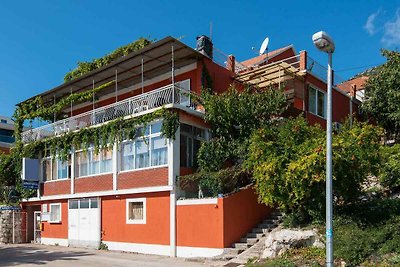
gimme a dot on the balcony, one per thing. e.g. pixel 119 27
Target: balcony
pixel 134 106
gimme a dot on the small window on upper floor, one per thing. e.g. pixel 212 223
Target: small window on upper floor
pixel 317 102
pixel 3 121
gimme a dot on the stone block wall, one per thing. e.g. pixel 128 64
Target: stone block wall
pixel 12 227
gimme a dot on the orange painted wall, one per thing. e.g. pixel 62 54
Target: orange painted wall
pixel 220 225
pixel 200 226
pixel 57 230
pixel 156 229
pixel 143 178
pixel 241 213
pixel 94 183
pixel 221 77
pixel 56 187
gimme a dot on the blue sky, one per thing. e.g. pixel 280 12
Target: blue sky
pixel 42 40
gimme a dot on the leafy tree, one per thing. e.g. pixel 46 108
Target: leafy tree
pixel 288 163
pixel 382 94
pixel 233 116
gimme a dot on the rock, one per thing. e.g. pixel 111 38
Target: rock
pixel 281 240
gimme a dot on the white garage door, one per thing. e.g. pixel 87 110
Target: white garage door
pixel 84 222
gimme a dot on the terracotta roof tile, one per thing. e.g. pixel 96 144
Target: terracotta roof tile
pixel 358 82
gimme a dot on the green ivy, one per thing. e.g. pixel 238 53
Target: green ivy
pixel 88 66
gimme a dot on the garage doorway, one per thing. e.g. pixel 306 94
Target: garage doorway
pixel 84 219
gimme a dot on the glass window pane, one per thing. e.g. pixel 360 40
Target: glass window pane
pixel 73 204
pixel 156 127
pixel 46 170
pixel 183 151
pixel 142 153
pixel 55 213
pixel 84 203
pixel 82 163
pixel 94 162
pixel 190 152
pixel 159 151
pixel 94 203
pixel 312 95
pixel 54 169
pixel 135 211
pixel 321 104
pixel 128 156
pixel 62 169
pixel 106 161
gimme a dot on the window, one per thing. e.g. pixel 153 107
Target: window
pixel 90 163
pixel 317 102
pixel 142 153
pixel 158 151
pixel 55 169
pixel 136 211
pixel 148 148
pixel 84 203
pixel 73 204
pixel 191 138
pixel 3 121
pixel 55 213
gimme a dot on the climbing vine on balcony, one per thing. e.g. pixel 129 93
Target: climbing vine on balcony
pixel 104 136
pixel 87 66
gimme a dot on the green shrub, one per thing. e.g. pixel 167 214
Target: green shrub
pixel 390 171
pixel 280 262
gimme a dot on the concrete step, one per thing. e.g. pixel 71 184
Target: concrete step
pixel 255 235
pixel 243 246
pixel 267 225
pixel 261 230
pixel 250 241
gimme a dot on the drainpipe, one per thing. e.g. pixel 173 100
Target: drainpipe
pixel 173 172
pixel 353 91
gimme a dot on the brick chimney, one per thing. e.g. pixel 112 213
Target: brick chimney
pixel 230 64
pixel 353 90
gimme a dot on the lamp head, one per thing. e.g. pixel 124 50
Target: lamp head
pixel 323 42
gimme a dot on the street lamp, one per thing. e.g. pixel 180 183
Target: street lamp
pixel 325 44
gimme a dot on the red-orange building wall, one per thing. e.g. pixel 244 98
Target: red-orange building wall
pixel 156 229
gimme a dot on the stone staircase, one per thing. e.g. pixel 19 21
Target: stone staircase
pixel 254 236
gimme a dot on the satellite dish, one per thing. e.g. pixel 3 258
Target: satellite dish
pixel 264 46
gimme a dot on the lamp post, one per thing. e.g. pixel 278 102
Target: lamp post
pixel 325 43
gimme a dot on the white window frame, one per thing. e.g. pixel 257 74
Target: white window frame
pixel 130 200
pixel 51 208
pixel 148 139
pixel 316 101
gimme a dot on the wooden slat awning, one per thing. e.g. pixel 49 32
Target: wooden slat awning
pixel 267 75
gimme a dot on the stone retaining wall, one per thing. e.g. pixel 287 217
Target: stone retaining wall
pixel 12 226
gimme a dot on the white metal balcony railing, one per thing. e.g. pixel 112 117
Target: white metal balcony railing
pixel 169 94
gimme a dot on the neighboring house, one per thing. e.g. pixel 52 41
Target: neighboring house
pixel 128 197
pixel 6 134
pixel 355 87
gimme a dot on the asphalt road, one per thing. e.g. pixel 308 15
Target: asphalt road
pixel 57 256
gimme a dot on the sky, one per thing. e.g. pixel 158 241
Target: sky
pixel 40 41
